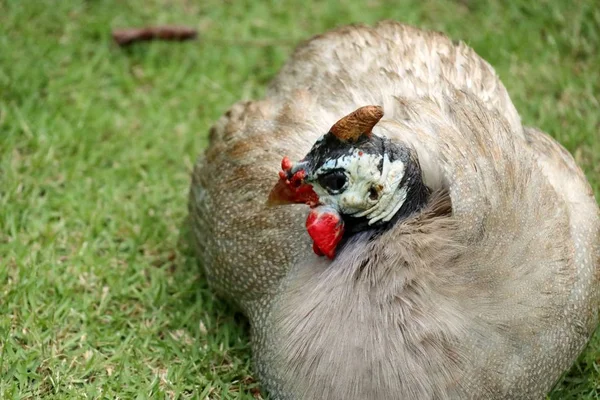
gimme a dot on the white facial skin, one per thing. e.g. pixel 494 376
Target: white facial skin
pixel 367 192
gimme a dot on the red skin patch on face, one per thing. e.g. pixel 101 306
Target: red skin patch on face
pixel 324 224
pixel 326 228
pixel 292 189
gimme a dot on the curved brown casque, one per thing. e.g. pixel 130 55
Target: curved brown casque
pixel 357 123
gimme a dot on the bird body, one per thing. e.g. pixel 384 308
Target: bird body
pixel 486 287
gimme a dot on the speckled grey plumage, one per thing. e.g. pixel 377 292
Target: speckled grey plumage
pixel 494 301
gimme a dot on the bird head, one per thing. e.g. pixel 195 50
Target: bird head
pixel 352 179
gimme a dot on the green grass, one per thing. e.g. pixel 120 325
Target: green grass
pixel 99 295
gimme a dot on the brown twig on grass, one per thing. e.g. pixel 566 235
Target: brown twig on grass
pixel 124 37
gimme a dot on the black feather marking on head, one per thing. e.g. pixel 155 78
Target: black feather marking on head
pixel 331 148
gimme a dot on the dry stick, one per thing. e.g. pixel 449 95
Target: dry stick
pixel 124 37
pixel 128 36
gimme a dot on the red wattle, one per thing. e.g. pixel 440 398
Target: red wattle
pixel 317 250
pixel 326 228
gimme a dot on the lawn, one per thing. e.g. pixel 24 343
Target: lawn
pixel 100 296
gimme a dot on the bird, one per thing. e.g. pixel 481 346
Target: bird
pixel 392 230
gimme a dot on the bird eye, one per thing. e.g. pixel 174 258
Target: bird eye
pixel 333 181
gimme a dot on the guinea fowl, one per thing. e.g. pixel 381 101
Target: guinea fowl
pixel 417 242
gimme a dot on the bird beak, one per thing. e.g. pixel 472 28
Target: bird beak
pixel 291 187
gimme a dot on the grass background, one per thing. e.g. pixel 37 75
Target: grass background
pixel 99 296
